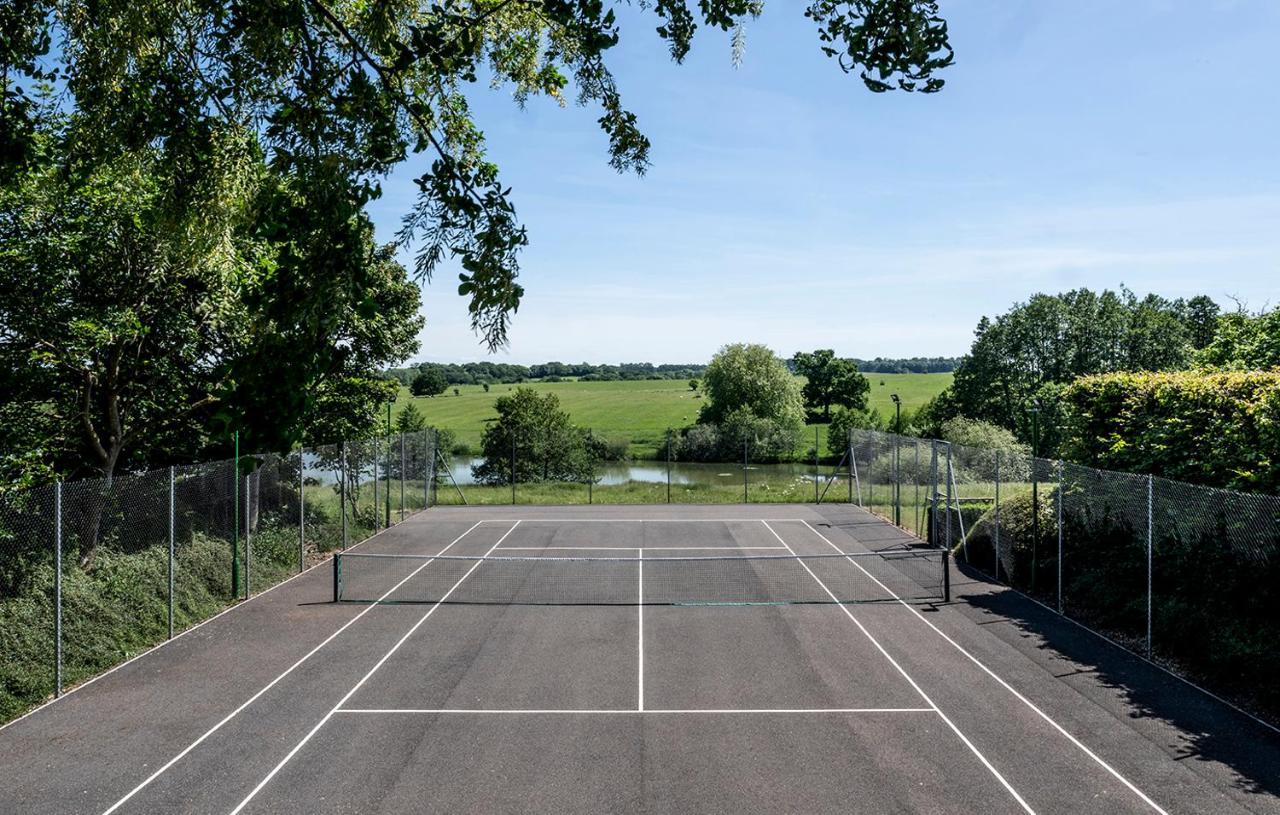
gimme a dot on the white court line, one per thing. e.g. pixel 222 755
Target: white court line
pixel 972 748
pixel 640 630
pixel 1112 770
pixel 193 745
pixel 616 711
pixel 638 520
pixel 632 548
pixel 237 604
pixel 365 678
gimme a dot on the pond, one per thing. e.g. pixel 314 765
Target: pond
pixel 655 472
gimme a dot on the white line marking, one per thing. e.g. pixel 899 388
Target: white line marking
pixel 164 767
pixel 238 604
pixel 638 520
pixel 615 711
pixel 363 679
pixel 1115 773
pixel 972 748
pixel 632 548
pixel 640 630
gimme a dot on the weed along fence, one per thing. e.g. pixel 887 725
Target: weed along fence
pixel 1187 575
pixel 92 572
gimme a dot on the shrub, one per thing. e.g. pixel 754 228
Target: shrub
pixel 1215 428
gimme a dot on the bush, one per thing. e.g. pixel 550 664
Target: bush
pixel 844 420
pixel 764 440
pixel 1220 429
pixel 977 446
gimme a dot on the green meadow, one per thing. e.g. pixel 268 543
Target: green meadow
pixel 643 409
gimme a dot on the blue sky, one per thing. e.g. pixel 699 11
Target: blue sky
pixel 1076 143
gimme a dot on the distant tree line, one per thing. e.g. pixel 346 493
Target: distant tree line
pixel 500 373
pixel 912 365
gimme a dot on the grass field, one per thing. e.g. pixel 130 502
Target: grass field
pixel 644 409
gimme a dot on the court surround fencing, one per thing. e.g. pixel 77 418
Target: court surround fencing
pixel 93 572
pixel 1183 574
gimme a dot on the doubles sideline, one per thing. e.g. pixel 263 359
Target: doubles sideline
pixel 1018 695
pixel 193 745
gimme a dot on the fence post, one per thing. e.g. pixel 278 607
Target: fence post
pixel 915 477
pixel 897 480
pixel 1150 541
pixel 745 498
pixel 513 466
pixel 995 571
pixel 432 440
pixel 668 465
pixel 302 509
pixel 248 551
pixel 342 488
pixel 402 465
pixel 235 520
pixel 1059 502
pixel 950 476
pixel 933 491
pixel 591 474
pixel 172 524
pixel 57 588
pixel 377 510
pixel 815 464
pixel 852 469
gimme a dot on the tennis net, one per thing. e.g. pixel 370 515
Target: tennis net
pixel 919 575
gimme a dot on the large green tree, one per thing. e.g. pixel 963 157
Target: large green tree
pixel 149 308
pixel 1053 339
pixel 1244 341
pixel 533 435
pixel 749 379
pixel 830 380
pixel 339 92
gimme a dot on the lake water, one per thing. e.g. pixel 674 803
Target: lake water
pixel 655 472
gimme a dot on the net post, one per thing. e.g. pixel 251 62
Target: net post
pixel 1150 536
pixel 172 482
pixel 57 588
pixel 946 575
pixel 302 510
pixel 337 576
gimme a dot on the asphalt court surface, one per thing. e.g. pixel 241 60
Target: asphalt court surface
pixel 881 706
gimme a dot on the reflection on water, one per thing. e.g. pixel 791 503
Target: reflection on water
pixel 655 472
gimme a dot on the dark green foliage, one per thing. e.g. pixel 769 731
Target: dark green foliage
pixel 532 429
pixel 1220 429
pixel 830 381
pixel 428 382
pixel 1057 338
pixel 1244 341
pixel 738 434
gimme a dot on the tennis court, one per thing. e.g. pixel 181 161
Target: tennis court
pixel 638 659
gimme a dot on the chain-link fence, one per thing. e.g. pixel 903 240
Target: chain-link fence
pixel 1184 574
pixel 95 571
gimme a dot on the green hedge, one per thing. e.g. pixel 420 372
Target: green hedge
pixel 1215 428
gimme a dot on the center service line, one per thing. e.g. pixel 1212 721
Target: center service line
pixel 972 748
pixel 193 745
pixel 365 678
pixel 640 628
